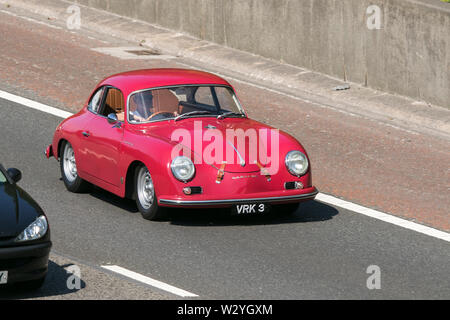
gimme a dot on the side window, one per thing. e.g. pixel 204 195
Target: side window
pixel 96 100
pixel 113 103
pixel 204 96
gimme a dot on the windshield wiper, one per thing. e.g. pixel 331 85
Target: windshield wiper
pixel 226 114
pixel 191 114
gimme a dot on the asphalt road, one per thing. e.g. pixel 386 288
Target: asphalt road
pixel 322 252
pixel 94 284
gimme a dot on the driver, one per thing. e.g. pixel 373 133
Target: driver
pixel 143 102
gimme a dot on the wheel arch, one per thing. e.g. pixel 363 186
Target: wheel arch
pixel 130 191
pixel 60 144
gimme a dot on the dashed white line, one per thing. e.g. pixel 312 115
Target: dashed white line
pixel 320 197
pixel 151 282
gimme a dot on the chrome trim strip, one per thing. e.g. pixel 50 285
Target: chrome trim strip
pixel 238 201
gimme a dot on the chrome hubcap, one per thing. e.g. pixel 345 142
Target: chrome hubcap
pixel 145 189
pixel 70 166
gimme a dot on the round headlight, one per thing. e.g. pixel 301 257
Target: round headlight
pixel 296 163
pixel 182 168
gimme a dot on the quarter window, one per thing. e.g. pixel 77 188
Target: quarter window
pixel 96 100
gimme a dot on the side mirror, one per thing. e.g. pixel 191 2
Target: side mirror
pixel 112 118
pixel 15 174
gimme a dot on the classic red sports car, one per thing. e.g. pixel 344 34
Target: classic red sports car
pixel 180 138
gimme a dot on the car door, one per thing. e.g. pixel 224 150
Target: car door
pixel 79 140
pixel 103 140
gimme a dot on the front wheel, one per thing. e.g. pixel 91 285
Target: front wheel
pixel 69 172
pixel 145 195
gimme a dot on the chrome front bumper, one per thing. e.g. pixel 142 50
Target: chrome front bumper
pixel 229 202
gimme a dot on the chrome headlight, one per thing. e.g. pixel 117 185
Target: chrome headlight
pixel 35 230
pixel 182 168
pixel 296 163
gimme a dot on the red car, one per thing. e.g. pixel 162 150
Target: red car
pixel 180 138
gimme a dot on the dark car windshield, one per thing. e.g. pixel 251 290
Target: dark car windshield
pixel 2 177
pixel 192 101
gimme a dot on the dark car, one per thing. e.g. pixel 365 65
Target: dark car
pixel 24 234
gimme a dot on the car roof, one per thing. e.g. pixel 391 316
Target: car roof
pixel 131 81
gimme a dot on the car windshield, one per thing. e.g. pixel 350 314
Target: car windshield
pixel 2 178
pixel 183 102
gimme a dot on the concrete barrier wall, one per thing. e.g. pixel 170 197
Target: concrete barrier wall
pixel 408 55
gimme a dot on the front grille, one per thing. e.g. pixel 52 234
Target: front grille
pixel 289 185
pixel 196 190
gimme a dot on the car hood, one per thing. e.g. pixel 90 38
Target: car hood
pixel 18 210
pixel 243 153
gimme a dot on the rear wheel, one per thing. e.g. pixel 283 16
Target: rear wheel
pixel 69 172
pixel 145 195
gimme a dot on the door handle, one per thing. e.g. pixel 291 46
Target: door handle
pixel 86 134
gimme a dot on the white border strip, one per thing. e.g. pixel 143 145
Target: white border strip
pixel 34 105
pixel 320 197
pixel 383 217
pixel 150 281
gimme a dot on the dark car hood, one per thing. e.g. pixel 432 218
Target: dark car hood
pixel 17 210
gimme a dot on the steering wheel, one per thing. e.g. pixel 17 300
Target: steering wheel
pixel 160 112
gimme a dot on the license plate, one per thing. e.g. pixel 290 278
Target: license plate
pixel 251 208
pixel 3 277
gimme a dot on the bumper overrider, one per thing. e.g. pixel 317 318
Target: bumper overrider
pixel 48 152
pixel 308 194
pixel 25 263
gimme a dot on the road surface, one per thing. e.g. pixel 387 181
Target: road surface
pixel 323 252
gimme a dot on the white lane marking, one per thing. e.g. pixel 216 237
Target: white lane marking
pixel 149 281
pixel 383 217
pixel 34 105
pixel 320 197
